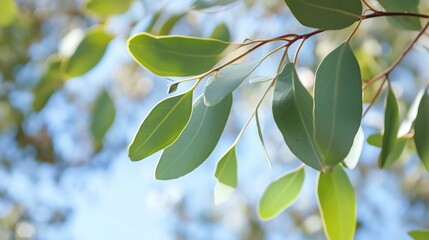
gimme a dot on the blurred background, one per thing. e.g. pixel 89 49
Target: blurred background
pixel 64 170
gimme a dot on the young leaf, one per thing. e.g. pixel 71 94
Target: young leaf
pixel 222 33
pixel 332 14
pixel 421 128
pixel 402 22
pixel 226 174
pixel 50 81
pixel 106 8
pixel 227 80
pixel 419 234
pixel 391 126
pixel 162 126
pixel 196 142
pixel 8 11
pixel 103 116
pixel 355 151
pixel 261 137
pixel 176 55
pixel 88 53
pixel 280 194
pixel 338 103
pixel 337 205
pixel 293 114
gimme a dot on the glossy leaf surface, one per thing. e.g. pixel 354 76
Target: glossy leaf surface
pixel 421 128
pixel 338 103
pixel 325 14
pixel 391 126
pixel 176 55
pixel 226 81
pixel 293 114
pixel 103 116
pixel 196 142
pixel 337 205
pixel 162 126
pixel 88 53
pixel 280 194
pixel 108 7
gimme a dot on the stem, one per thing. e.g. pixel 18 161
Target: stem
pixel 295 58
pixel 369 6
pixel 386 72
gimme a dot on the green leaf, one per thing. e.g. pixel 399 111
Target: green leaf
pixel 293 114
pixel 375 140
pixel 202 4
pixel 103 115
pixel 222 33
pixel 400 143
pixel 8 11
pixel 338 103
pixel 226 174
pixel 261 137
pixel 162 126
pixel 88 53
pixel 280 194
pixel 355 151
pixel 50 81
pixel 176 55
pixel 260 79
pixel 391 127
pixel 337 205
pixel 421 128
pixel 419 234
pixel 196 142
pixel 326 14
pixel 108 7
pixel 403 22
pixel 227 80
pixel 170 23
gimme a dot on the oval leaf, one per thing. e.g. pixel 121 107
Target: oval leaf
pixel 419 234
pixel 222 33
pixel 337 205
pixel 421 135
pixel 196 142
pixel 355 151
pixel 402 22
pixel 332 14
pixel 391 127
pixel 110 7
pixel 103 116
pixel 176 55
pixel 226 174
pixel 338 103
pixel 162 126
pixel 8 10
pixel 226 81
pixel 293 114
pixel 280 194
pixel 88 53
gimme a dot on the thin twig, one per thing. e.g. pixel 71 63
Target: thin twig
pixel 369 6
pixel 295 58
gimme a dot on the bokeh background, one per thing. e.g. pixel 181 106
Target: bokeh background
pixel 57 182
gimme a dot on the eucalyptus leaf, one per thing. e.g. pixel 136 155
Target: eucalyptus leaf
pixel 293 114
pixel 88 53
pixel 261 137
pixel 226 174
pixel 8 11
pixel 260 79
pixel 338 103
pixel 280 194
pixel 352 158
pixel 227 80
pixel 421 128
pixel 50 81
pixel 337 205
pixel 419 234
pixel 176 55
pixel 376 140
pixel 326 14
pixel 162 126
pixel 170 23
pixel 196 142
pixel 403 22
pixel 103 115
pixel 391 126
pixel 222 33
pixel 108 7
